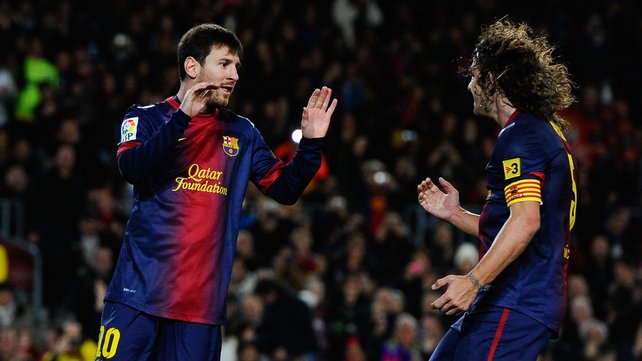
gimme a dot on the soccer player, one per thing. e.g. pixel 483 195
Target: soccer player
pixel 514 299
pixel 190 160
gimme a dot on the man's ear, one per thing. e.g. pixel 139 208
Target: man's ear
pixel 192 67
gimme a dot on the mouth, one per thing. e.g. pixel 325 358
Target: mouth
pixel 227 88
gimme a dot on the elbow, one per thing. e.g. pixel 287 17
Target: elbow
pixel 532 225
pixel 130 178
pixel 288 201
pixel 127 173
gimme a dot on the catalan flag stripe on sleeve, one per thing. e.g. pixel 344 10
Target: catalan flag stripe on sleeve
pixel 522 191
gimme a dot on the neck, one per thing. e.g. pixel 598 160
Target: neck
pixel 503 110
pixel 182 90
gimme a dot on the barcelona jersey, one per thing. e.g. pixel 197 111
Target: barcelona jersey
pixel 189 180
pixel 531 161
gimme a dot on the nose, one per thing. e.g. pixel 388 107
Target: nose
pixel 233 73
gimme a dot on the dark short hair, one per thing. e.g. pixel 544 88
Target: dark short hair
pixel 198 41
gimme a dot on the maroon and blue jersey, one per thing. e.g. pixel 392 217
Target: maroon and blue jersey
pixel 190 178
pixel 531 161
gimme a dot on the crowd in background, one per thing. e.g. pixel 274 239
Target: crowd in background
pixel 345 273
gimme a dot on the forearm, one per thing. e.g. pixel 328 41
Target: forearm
pixel 510 242
pixel 295 176
pixel 465 221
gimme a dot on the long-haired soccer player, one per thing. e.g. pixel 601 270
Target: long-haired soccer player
pixel 514 299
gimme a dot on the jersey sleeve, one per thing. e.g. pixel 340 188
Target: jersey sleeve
pixel 285 182
pixel 523 160
pixel 143 145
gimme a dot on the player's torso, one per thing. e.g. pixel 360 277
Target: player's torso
pixel 537 276
pixel 179 240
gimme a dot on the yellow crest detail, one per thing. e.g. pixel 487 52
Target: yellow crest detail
pixel 512 168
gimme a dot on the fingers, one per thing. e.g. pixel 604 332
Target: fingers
pixel 424 185
pixel 204 86
pixel 325 97
pixel 440 283
pixel 200 91
pixel 445 302
pixel 320 98
pixel 446 305
pixel 447 186
pixel 332 107
pixel 429 186
pixel 313 98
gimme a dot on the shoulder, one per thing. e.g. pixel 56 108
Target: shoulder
pixel 163 107
pixel 524 124
pixel 155 113
pixel 526 128
pixel 229 116
pixel 529 133
pixel 241 123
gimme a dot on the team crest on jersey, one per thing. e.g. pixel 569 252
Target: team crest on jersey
pixel 512 168
pixel 230 146
pixel 128 129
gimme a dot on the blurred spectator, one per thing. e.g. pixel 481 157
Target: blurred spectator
pixel 16 182
pixel 286 329
pixel 23 155
pixel 70 344
pixel 246 251
pixel 347 317
pixel 390 247
pixel 37 70
pixel 249 351
pixel 466 257
pixel 418 276
pixel 593 334
pixel 56 201
pixel 8 91
pixel 8 343
pixel 430 333
pixel 89 289
pixel 308 263
pixel 403 346
pixel 13 312
pixel 599 272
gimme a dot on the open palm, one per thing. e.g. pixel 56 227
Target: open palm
pixel 317 114
pixel 441 204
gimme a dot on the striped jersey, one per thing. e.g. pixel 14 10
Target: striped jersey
pixel 531 161
pixel 189 179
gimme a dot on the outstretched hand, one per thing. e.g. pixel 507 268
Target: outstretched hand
pixel 315 119
pixel 441 204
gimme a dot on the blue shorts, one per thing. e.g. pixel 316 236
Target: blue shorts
pixel 498 334
pixel 129 334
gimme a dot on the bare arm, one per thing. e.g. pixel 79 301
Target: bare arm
pixel 510 242
pixel 445 205
pixel 512 239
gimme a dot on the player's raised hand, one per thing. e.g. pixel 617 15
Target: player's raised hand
pixel 197 98
pixel 441 204
pixel 316 115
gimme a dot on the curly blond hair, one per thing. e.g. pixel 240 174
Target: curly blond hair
pixel 512 59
